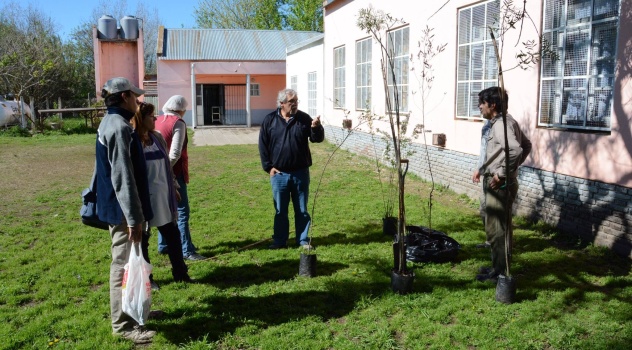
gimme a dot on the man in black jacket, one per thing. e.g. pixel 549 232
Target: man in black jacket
pixel 285 155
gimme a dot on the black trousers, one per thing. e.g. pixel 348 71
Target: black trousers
pixel 171 234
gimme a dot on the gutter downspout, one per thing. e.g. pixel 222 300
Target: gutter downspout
pixel 248 115
pixel 193 98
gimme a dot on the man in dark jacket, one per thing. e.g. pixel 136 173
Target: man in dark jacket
pixel 122 193
pixel 285 155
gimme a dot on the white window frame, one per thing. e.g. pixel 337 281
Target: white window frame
pixel 398 46
pixel 363 74
pixel 312 94
pixel 477 67
pixel 577 90
pixel 339 77
pixel 254 89
pixel 294 83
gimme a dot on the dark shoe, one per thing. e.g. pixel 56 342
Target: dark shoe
pixel 186 279
pixel 488 278
pixel 154 286
pixel 275 246
pixel 483 245
pixel 195 257
pixel 155 314
pixel 484 270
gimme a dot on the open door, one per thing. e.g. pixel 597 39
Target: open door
pixel 213 104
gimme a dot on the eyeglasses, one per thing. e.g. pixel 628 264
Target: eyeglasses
pixel 293 102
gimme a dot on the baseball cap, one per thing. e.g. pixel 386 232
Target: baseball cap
pixel 120 84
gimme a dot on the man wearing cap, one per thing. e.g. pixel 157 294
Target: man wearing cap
pixel 122 193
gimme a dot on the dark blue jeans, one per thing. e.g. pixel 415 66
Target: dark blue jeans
pixel 292 185
pixel 183 223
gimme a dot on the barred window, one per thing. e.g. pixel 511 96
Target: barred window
pixel 477 66
pixel 311 94
pixel 398 49
pixel 576 89
pixel 254 89
pixel 339 77
pixel 363 74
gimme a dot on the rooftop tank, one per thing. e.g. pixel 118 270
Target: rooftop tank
pixel 129 27
pixel 106 28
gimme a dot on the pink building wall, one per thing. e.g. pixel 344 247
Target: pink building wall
pixel 605 157
pixel 118 58
pixel 174 78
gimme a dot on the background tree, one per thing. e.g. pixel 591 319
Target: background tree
pixel 305 15
pixel 239 14
pixel 32 64
pixel 260 14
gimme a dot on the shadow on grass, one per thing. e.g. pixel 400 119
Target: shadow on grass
pixel 569 268
pixel 254 274
pixel 225 314
pixel 233 246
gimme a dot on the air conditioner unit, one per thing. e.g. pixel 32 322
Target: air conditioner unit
pixel 438 140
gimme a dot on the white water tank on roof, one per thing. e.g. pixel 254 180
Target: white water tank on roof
pixel 129 27
pixel 106 28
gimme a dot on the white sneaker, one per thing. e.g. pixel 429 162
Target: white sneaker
pixel 139 335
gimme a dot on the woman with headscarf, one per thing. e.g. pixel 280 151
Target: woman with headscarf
pixel 174 130
pixel 162 188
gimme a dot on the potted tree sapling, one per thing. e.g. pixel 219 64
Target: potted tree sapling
pixel 385 169
pixel 307 265
pixel 378 25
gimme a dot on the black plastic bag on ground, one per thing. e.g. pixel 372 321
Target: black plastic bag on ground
pixel 427 245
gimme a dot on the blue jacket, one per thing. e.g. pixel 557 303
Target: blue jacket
pixel 285 146
pixel 122 188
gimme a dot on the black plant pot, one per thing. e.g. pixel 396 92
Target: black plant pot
pixel 506 289
pixel 402 283
pixel 307 266
pixel 389 226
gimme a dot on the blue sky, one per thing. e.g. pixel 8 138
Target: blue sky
pixel 68 14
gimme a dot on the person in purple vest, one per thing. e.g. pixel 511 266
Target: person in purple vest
pixel 174 130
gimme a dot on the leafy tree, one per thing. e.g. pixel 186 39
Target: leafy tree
pixel 305 15
pixel 32 63
pixel 239 14
pixel 260 14
pixel 267 15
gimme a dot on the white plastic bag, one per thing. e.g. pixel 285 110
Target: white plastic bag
pixel 136 290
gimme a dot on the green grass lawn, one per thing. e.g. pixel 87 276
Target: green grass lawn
pixel 54 270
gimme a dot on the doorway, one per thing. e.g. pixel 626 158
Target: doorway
pixel 222 104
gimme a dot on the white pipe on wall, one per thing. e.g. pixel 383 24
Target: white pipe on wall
pixel 248 121
pixel 193 98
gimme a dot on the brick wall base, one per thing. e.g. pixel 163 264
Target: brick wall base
pixel 594 211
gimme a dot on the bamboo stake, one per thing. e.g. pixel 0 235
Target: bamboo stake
pixel 503 108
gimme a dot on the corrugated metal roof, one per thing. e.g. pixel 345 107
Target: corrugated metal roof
pixel 230 44
pixel 302 44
